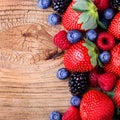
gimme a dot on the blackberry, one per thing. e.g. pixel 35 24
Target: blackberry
pixel 115 4
pixel 78 83
pixel 60 5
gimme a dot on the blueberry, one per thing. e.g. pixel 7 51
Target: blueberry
pixel 44 3
pixel 109 14
pixel 91 35
pixel 74 36
pixel 104 56
pixel 105 22
pixel 55 115
pixel 54 19
pixel 75 101
pixel 62 73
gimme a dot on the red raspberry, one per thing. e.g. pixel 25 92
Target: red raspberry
pixel 107 81
pixel 105 41
pixel 101 4
pixel 72 113
pixel 61 41
pixel 93 77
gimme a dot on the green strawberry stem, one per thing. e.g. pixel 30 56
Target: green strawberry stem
pixel 89 17
pixel 101 24
pixel 92 51
pixel 116 113
pixel 110 94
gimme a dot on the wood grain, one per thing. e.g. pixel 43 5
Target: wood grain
pixel 29 89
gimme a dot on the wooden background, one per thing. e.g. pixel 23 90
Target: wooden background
pixel 29 89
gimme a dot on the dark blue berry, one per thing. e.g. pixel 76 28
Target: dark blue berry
pixel 109 14
pixel 55 115
pixel 74 36
pixel 44 3
pixel 63 73
pixel 105 22
pixel 54 19
pixel 91 35
pixel 75 101
pixel 104 57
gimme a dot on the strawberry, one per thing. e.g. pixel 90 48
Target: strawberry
pixel 101 4
pixel 95 105
pixel 70 18
pixel 115 94
pixel 82 15
pixel 114 27
pixel 61 41
pixel 81 57
pixel 114 64
pixel 107 81
pixel 71 114
pixel 116 97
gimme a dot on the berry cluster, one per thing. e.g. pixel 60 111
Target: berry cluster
pixel 92 58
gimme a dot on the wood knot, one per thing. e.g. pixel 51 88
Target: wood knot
pixel 26 34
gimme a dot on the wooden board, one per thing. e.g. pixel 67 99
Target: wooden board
pixel 29 89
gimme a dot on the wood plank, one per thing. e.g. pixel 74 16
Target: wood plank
pixel 29 89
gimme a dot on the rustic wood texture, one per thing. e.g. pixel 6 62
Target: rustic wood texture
pixel 29 89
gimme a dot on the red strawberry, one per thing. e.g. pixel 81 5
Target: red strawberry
pixel 107 81
pixel 114 64
pixel 81 57
pixel 101 4
pixel 93 77
pixel 61 41
pixel 70 18
pixel 116 97
pixel 96 106
pixel 114 27
pixel 79 17
pixel 115 94
pixel 105 41
pixel 71 114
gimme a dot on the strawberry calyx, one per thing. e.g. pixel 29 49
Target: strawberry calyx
pixel 89 17
pixel 110 94
pixel 92 51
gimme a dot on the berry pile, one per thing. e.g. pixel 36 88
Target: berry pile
pixel 91 41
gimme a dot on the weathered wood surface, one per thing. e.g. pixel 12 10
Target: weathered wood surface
pixel 29 89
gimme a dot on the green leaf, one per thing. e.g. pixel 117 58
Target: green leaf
pixel 118 8
pixel 81 5
pixel 110 94
pixel 90 24
pixel 99 63
pixel 101 24
pixel 84 17
pixel 94 60
pixel 88 42
pixel 92 51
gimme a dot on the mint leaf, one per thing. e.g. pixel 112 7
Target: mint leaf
pixel 81 5
pixel 90 24
pixel 84 17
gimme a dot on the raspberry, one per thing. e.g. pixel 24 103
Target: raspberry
pixel 101 4
pixel 61 41
pixel 93 76
pixel 105 41
pixel 107 81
